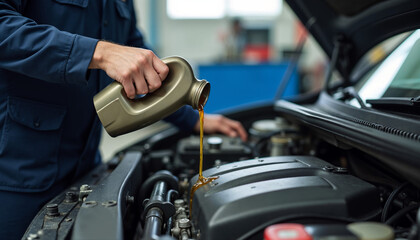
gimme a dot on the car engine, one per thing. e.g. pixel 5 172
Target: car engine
pixel 284 177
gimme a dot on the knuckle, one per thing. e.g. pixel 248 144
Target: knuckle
pixel 125 75
pixel 156 85
pixel 165 69
pixel 149 53
pixel 142 60
pixel 134 68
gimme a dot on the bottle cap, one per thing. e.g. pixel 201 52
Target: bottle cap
pixel 289 231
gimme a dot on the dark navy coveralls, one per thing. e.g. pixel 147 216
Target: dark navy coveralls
pixel 49 131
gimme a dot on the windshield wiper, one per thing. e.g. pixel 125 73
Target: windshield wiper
pixel 397 104
pixel 400 101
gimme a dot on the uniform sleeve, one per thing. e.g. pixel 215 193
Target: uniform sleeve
pixel 185 118
pixel 136 38
pixel 42 51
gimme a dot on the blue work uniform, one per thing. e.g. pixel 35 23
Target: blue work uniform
pixel 49 131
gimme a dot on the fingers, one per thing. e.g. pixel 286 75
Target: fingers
pixel 153 80
pixel 139 70
pixel 228 131
pixel 149 79
pixel 233 129
pixel 140 85
pixel 161 68
pixel 237 128
pixel 217 123
pixel 146 79
pixel 129 89
pixel 133 81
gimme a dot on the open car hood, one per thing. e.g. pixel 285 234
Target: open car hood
pixel 358 25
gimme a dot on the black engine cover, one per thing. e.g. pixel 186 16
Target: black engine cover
pixel 252 194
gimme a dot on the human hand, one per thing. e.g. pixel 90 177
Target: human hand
pixel 139 70
pixel 215 123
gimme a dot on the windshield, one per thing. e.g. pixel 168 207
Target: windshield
pixel 397 76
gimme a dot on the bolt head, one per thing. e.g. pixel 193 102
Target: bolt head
pixel 179 203
pixel 33 236
pixel 70 197
pixel 184 223
pixel 52 210
pixel 84 187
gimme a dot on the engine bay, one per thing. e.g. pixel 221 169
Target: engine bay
pixel 253 193
pixel 285 177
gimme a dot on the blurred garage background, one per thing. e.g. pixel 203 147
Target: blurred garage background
pixel 242 47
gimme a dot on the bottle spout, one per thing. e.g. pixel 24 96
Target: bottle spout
pixel 201 94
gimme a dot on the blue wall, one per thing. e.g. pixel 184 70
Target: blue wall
pixel 238 84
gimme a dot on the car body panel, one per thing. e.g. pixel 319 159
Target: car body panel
pixel 374 22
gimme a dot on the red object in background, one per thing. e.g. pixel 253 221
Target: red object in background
pixel 257 53
pixel 300 33
pixel 289 231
